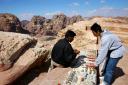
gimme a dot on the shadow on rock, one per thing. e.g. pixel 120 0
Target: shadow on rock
pixel 118 73
pixel 78 61
pixel 32 74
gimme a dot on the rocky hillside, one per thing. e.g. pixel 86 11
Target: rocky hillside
pixel 24 23
pixel 38 25
pixel 19 53
pixel 41 26
pixel 10 23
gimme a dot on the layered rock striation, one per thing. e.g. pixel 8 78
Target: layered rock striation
pixel 18 53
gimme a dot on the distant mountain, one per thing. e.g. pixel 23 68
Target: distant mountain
pixel 10 23
pixel 24 23
pixel 41 26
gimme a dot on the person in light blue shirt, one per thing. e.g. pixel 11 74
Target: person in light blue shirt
pixel 111 49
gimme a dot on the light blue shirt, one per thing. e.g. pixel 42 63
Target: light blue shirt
pixel 109 42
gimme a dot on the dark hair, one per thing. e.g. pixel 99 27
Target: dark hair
pixel 70 33
pixel 96 27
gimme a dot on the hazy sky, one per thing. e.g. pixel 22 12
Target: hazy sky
pixel 25 9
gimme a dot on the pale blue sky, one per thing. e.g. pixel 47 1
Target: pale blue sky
pixel 25 9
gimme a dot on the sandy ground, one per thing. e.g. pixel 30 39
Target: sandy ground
pixel 121 72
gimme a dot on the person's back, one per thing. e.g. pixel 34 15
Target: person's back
pixel 115 44
pixel 57 50
pixel 62 52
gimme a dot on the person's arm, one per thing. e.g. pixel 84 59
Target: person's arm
pixel 103 51
pixel 69 54
pixel 76 51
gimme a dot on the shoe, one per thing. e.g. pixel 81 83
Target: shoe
pixel 103 83
pixel 101 78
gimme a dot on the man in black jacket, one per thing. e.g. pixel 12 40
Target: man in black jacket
pixel 62 53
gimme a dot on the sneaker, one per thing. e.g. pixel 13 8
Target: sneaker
pixel 101 78
pixel 103 83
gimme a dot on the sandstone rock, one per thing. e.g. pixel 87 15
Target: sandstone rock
pixel 75 19
pixel 32 57
pixel 38 20
pixel 11 47
pixel 41 26
pixel 18 53
pixel 24 23
pixel 35 25
pixel 59 22
pixel 55 77
pixel 48 28
pixel 122 19
pixel 10 23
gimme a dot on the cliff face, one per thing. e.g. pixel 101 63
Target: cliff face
pixel 38 25
pixel 41 26
pixel 11 46
pixel 10 23
pixel 18 53
pixel 24 23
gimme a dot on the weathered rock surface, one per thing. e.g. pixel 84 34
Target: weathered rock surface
pixel 24 23
pixel 41 26
pixel 55 77
pixel 12 45
pixel 21 53
pixel 35 25
pixel 10 23
pixel 74 19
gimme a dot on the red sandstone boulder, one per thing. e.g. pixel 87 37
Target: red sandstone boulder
pixel 18 53
pixel 10 23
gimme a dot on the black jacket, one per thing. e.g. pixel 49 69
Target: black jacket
pixel 63 53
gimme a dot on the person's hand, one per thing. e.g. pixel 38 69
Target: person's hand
pixel 76 51
pixel 91 58
pixel 90 65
